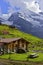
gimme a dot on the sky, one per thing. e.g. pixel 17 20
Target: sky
pixel 10 6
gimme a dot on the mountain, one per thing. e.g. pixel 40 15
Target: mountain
pixel 28 22
pixel 3 21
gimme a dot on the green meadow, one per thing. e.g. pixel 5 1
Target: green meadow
pixel 23 57
pixel 35 44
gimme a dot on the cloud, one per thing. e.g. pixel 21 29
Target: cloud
pixel 20 5
pixel 24 5
pixel 33 6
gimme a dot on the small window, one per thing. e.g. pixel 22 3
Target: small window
pixel 22 45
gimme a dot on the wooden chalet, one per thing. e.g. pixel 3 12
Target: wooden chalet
pixel 9 45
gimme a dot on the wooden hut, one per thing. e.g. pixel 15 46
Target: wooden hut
pixel 10 45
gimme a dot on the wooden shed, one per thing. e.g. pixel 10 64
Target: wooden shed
pixel 10 45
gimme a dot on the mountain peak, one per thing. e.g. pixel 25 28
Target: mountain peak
pixel 30 23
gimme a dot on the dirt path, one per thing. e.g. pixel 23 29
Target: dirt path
pixel 10 62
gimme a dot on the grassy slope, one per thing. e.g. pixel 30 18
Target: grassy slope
pixel 23 57
pixel 36 42
pixel 16 33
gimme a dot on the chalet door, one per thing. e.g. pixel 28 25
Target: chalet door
pixel 16 48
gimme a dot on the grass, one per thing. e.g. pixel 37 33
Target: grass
pixel 15 56
pixel 36 44
pixel 23 57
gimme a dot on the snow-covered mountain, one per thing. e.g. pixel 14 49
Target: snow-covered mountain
pixel 3 21
pixel 30 23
